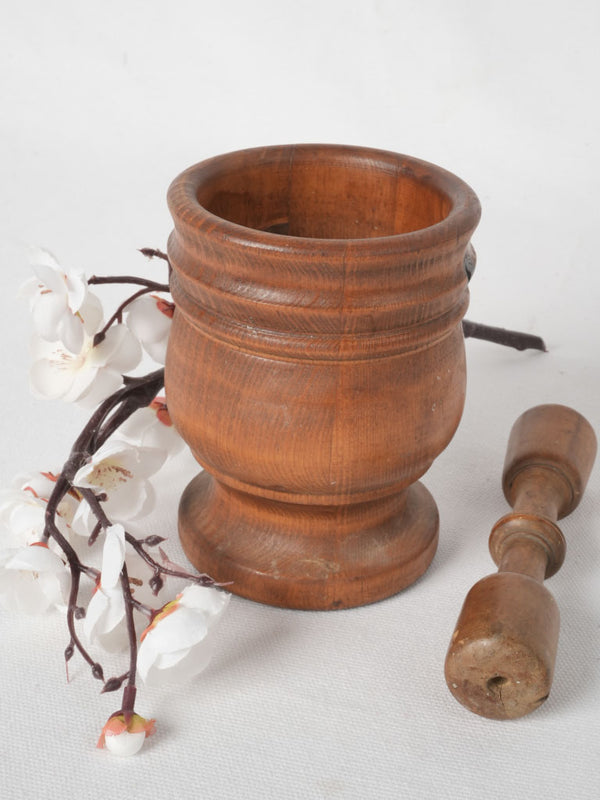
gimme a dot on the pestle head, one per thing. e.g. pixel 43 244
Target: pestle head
pixel 501 657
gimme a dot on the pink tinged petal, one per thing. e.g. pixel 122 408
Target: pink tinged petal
pixel 125 739
pixel 113 556
pixel 165 307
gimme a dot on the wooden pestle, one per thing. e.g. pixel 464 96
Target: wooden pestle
pixel 500 662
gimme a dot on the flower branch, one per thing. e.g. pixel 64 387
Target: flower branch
pixel 103 484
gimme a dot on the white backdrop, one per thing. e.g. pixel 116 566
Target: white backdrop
pixel 102 105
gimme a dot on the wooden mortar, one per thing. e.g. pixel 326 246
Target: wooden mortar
pixel 316 365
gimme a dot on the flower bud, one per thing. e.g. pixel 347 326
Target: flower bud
pixel 125 738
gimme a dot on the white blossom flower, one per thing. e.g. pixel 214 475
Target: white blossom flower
pixel 178 644
pixel 23 509
pixel 149 318
pixel 105 615
pixel 89 375
pixel 62 307
pixel 120 471
pixel 32 579
pixel 152 427
pixel 125 739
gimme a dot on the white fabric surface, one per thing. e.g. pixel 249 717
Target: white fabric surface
pixel 103 104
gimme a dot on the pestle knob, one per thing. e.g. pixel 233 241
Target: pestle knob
pixel 500 662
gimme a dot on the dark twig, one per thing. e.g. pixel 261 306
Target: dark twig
pixel 516 339
pixel 118 315
pixel 202 580
pixel 152 286
pixel 151 252
pixel 126 589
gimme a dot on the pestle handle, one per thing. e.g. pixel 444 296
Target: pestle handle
pixel 500 662
pixel 550 440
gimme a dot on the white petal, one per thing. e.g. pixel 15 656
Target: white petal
pixel 113 556
pixel 180 666
pixel 194 661
pixel 112 451
pixel 70 332
pixel 91 314
pixel 147 322
pixel 26 523
pixel 84 520
pixel 84 382
pixel 46 380
pixel 41 255
pixel 125 744
pixel 164 437
pixel 145 657
pixel 52 277
pixel 141 462
pixel 22 593
pixel 150 460
pixel 76 285
pixel 29 289
pixel 157 350
pixel 119 348
pixel 47 312
pixel 32 580
pixel 37 482
pixel 98 385
pixel 178 630
pixel 37 559
pixel 129 500
pixel 94 614
pixel 211 601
